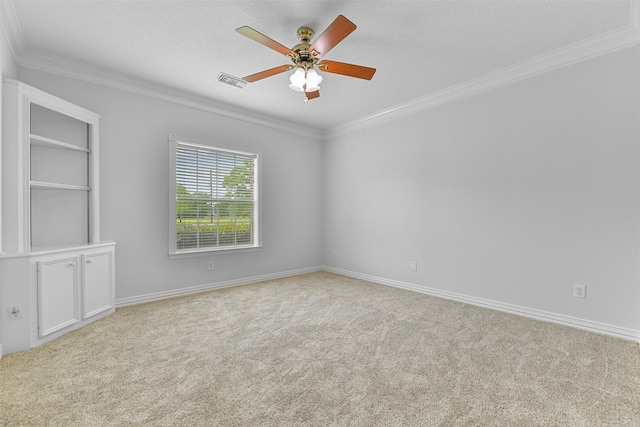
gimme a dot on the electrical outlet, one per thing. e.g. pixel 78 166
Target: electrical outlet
pixel 211 265
pixel 14 312
pixel 413 266
pixel 334 253
pixel 580 291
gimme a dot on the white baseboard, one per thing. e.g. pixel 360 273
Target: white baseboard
pixel 588 325
pixel 141 299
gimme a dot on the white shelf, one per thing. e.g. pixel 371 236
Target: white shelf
pixel 53 185
pixel 50 176
pixel 42 141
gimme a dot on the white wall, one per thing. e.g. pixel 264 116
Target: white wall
pixel 134 178
pixel 8 63
pixel 511 195
pixel 8 69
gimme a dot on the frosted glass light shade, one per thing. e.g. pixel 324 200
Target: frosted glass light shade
pixel 313 81
pixel 297 80
pixel 305 83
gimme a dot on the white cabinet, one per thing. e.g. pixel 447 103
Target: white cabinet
pixel 53 264
pixel 97 283
pixel 58 291
pixel 57 294
pixel 73 287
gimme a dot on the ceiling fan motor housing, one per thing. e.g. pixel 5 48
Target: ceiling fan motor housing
pixel 304 59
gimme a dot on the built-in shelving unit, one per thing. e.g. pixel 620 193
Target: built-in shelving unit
pixel 37 140
pixel 61 159
pixel 42 184
pixel 54 265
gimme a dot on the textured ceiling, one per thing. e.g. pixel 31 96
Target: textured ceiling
pixel 417 47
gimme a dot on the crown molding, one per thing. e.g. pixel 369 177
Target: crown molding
pixel 590 48
pixel 44 62
pixel 11 27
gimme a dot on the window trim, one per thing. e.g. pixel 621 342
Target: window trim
pixel 174 253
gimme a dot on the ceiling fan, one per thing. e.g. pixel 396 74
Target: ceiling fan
pixel 306 57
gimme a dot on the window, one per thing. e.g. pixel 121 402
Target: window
pixel 214 198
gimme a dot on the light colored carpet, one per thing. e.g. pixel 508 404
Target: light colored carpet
pixel 321 350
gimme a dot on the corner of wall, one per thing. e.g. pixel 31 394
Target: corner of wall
pixel 8 43
pixel 3 37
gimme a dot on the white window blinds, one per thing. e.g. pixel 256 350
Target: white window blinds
pixel 216 198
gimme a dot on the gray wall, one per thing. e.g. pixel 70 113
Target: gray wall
pixel 134 194
pixel 511 195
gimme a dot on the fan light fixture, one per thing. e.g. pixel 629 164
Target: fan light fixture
pixel 306 57
pixel 305 80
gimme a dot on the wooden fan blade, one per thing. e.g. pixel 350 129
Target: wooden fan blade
pixel 267 73
pixel 340 28
pixel 262 39
pixel 350 70
pixel 312 95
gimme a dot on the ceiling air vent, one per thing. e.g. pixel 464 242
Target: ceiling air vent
pixel 231 81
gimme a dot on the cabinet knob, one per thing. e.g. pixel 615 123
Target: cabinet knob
pixel 89 261
pixel 72 264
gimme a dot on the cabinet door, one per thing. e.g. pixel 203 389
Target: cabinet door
pixel 97 283
pixel 57 294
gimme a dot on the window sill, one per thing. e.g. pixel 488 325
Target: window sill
pixel 212 251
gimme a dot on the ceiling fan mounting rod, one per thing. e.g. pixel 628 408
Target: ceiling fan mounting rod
pixel 305 34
